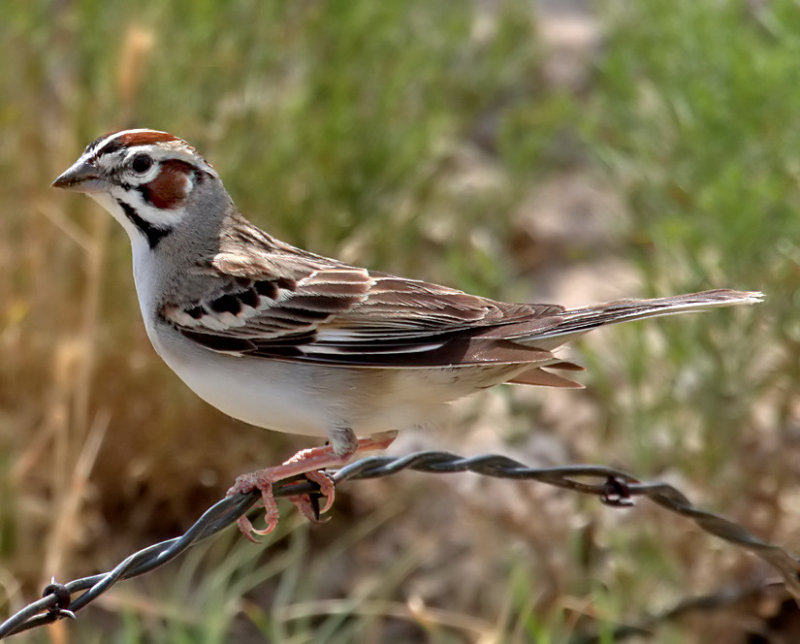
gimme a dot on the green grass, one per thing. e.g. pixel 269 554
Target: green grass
pixel 407 136
pixel 695 116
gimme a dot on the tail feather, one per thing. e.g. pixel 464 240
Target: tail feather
pixel 578 321
pixel 573 322
pixel 543 378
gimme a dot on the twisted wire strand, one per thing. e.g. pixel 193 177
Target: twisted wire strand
pixel 614 487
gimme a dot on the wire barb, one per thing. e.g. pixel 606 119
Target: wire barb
pixel 617 494
pixel 60 609
pixel 613 487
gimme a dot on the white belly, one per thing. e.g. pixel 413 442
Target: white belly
pixel 313 400
pixel 266 393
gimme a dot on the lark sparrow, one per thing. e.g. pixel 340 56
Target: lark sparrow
pixel 291 341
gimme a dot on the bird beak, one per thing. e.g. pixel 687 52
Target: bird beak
pixel 81 177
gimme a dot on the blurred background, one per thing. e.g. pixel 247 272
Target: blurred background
pixel 533 151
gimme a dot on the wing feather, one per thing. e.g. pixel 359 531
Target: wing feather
pixel 325 312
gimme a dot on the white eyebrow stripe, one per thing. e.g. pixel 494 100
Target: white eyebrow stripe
pixel 99 147
pixel 116 135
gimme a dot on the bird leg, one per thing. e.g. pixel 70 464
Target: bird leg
pixel 309 463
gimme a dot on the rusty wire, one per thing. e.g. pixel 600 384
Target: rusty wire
pixel 614 488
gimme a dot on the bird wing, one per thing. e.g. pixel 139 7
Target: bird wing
pixel 317 310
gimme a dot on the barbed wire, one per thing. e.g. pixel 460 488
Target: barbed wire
pixel 614 488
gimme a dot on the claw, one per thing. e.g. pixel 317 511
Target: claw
pixel 246 528
pixel 327 488
pixel 309 507
pixel 308 504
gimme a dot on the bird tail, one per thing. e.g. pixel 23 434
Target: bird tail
pixel 574 322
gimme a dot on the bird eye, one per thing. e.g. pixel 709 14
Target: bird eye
pixel 141 163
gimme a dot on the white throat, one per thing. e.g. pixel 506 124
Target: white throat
pixel 141 254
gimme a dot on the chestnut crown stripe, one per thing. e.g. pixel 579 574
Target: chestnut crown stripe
pixel 115 141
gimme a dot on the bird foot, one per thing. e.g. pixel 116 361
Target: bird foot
pixel 309 463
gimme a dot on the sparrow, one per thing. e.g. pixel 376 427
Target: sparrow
pixel 292 341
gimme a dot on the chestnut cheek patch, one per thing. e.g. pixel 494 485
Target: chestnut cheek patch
pixel 171 187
